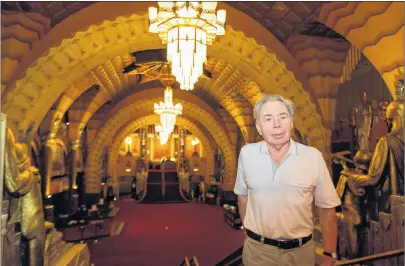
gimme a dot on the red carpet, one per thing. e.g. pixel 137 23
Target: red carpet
pixel 192 230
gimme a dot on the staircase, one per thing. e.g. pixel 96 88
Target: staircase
pixel 163 187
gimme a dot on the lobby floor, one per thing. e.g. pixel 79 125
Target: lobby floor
pixel 163 234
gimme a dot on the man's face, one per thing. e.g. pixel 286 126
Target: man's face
pixel 274 123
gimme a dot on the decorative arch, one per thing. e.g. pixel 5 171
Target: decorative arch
pixel 153 119
pixel 136 109
pixel 374 28
pixel 73 57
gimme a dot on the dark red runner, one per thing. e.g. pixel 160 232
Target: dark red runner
pixel 163 234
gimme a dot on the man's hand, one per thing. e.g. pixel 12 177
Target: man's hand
pixel 328 261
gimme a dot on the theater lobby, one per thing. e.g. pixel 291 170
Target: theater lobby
pixel 122 125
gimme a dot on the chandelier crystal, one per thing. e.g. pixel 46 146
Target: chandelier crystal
pixel 168 112
pixel 163 135
pixel 187 28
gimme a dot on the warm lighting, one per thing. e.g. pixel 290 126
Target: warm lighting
pixel 195 169
pixel 128 170
pixel 163 135
pixel 194 142
pixel 187 28
pixel 128 140
pixel 168 112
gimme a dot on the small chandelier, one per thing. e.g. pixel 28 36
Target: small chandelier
pixel 187 28
pixel 168 111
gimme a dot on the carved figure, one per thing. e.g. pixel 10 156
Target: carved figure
pixel 141 178
pixel 386 170
pixel 367 190
pixel 185 179
pixel 23 184
pixel 354 216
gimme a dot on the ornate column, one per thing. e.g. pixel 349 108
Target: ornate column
pixel 182 144
pixel 143 144
pixel 76 153
pixel 172 148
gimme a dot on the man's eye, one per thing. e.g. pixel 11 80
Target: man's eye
pixel 268 119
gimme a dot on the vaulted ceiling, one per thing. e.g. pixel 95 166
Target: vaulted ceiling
pixel 283 19
pixel 80 65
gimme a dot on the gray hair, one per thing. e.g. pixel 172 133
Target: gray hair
pixel 273 98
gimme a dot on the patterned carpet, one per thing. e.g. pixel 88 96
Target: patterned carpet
pixel 163 234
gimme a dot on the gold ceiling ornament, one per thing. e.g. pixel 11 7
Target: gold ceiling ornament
pixel 155 70
pixel 168 112
pixel 187 28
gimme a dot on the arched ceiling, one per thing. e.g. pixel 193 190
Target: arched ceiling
pixel 88 50
pixel 77 51
pixel 283 19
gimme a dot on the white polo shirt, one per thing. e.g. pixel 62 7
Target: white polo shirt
pixel 280 199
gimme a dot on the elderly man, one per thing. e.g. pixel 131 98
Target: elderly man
pixel 276 183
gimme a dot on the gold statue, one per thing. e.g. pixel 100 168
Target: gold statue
pixel 367 189
pixel 23 183
pixel 354 215
pixel 386 170
pixel 141 178
pixel 184 179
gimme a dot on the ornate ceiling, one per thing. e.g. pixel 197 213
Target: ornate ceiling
pixel 80 65
pixel 283 19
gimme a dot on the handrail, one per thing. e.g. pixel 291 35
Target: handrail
pixel 378 256
pixel 231 257
pixel 185 262
pixel 195 261
pixel 189 262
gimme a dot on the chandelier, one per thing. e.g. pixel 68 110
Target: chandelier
pixel 187 28
pixel 163 135
pixel 168 112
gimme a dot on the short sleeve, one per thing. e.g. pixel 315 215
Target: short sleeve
pixel 240 183
pixel 325 193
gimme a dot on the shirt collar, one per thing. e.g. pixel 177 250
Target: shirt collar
pixel 293 150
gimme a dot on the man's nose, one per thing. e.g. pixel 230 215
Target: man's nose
pixel 276 122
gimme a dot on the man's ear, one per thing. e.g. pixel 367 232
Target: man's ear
pixel 259 130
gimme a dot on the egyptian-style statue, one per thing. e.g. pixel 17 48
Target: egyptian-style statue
pixel 386 171
pixel 354 214
pixel 23 183
pixel 184 179
pixel 354 211
pixel 363 119
pixel 141 178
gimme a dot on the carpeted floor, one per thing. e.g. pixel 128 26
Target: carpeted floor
pixel 163 234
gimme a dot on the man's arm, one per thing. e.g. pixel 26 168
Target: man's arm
pixel 242 202
pixel 329 228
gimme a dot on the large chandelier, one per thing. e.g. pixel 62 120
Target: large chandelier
pixel 163 135
pixel 168 111
pixel 187 28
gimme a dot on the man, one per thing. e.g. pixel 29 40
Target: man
pixel 276 183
